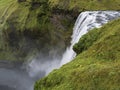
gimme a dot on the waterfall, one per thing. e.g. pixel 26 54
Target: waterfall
pixel 87 21
pixel 13 78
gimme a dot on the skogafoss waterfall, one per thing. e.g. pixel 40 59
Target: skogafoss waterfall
pixel 20 79
pixel 85 22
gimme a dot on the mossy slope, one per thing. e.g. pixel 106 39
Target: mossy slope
pixel 97 66
pixel 81 5
pixel 31 27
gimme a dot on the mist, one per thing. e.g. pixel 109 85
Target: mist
pixel 15 79
pixel 24 77
pixel 42 65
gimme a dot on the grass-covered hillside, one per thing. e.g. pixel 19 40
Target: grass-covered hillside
pixel 28 27
pixel 81 5
pixel 96 67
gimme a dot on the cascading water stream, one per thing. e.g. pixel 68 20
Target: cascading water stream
pixel 17 79
pixel 85 22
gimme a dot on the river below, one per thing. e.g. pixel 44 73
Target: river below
pixel 14 78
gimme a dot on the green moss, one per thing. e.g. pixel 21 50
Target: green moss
pixel 87 40
pixel 81 5
pixel 106 46
pixel 95 68
pixel 30 27
pixel 6 9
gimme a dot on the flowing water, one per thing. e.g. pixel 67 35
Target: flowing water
pixel 87 21
pixel 23 78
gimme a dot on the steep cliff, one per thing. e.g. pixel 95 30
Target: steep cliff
pixel 29 27
pixel 96 67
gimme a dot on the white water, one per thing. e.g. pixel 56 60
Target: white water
pixel 18 79
pixel 85 22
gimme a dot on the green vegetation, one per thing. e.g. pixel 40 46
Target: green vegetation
pixel 46 23
pixel 33 26
pixel 86 41
pixel 30 27
pixel 81 5
pixel 96 67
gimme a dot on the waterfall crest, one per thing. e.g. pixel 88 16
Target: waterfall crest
pixel 85 22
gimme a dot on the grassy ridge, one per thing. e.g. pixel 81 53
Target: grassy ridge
pixel 97 66
pixel 6 9
pixel 106 45
pixel 81 5
pixel 12 16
